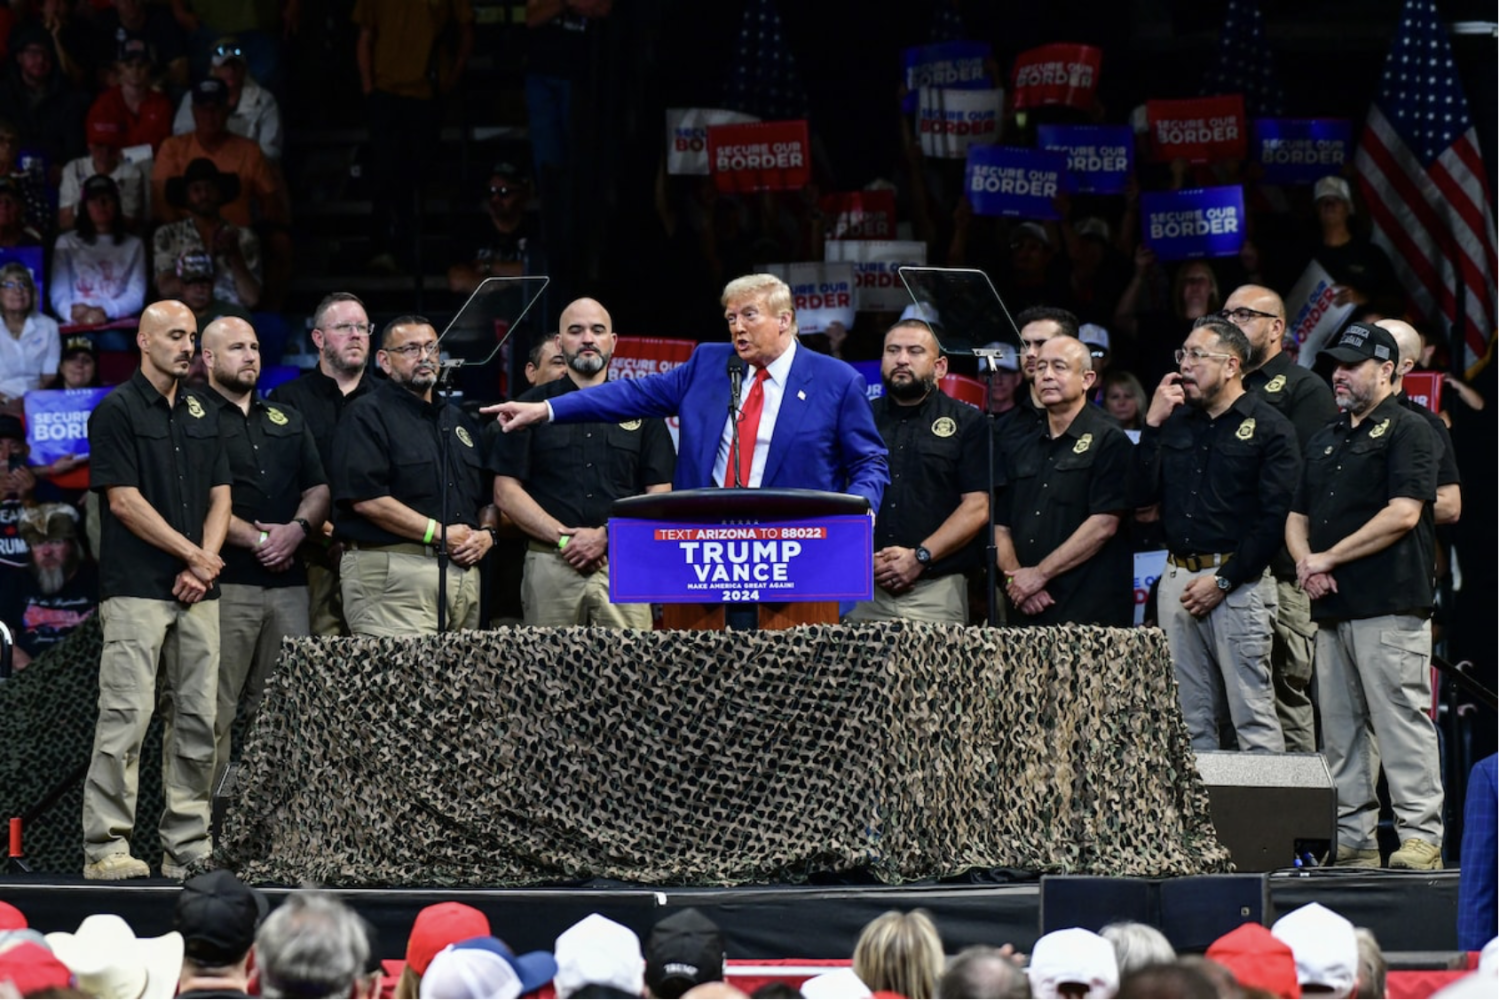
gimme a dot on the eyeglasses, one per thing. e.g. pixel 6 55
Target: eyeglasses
pixel 500 192
pixel 1243 315
pixel 13 286
pixel 1196 355
pixel 226 51
pixel 349 329
pixel 410 351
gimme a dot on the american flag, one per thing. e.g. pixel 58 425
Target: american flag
pixel 1244 64
pixel 1421 175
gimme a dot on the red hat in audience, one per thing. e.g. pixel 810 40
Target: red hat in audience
pixel 438 926
pixel 104 131
pixel 11 919
pixel 1258 959
pixel 32 968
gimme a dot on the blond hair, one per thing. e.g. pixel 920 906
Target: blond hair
pixel 775 292
pixel 900 953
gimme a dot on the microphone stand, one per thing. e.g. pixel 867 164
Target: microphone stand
pixel 991 359
pixel 736 368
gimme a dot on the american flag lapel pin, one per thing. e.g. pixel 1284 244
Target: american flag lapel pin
pixel 802 395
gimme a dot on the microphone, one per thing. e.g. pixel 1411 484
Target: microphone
pixel 736 369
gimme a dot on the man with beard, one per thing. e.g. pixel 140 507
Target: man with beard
pixel 58 594
pixel 1307 401
pixel 938 499
pixel 1361 531
pixel 160 467
pixel 1223 464
pixel 1057 537
pixel 278 494
pixel 341 333
pixel 392 497
pixel 557 482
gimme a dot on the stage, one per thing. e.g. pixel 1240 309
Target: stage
pixel 1411 913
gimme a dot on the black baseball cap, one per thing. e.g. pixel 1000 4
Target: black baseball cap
pixel 211 92
pixel 217 916
pixel 1363 342
pixel 684 950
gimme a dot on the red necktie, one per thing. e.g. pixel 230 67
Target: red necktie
pixel 749 421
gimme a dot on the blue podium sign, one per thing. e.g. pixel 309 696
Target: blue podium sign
pixel 669 562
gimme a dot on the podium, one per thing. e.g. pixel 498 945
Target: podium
pixel 742 559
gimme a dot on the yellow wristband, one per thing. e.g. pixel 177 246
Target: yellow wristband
pixel 431 529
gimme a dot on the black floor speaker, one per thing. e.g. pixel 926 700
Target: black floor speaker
pixel 1264 804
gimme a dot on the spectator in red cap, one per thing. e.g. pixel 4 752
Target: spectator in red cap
pixel 31 969
pixel 105 136
pixel 1258 960
pixel 143 113
pixel 435 928
pixel 98 269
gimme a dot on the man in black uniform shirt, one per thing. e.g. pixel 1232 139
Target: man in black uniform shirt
pixel 1449 504
pixel 390 494
pixel 278 494
pixel 1306 400
pixel 341 332
pixel 557 482
pixel 1361 532
pixel 160 467
pixel 1223 467
pixel 938 500
pixel 1058 540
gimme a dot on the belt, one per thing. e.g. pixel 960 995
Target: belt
pixel 532 545
pixel 1194 563
pixel 400 548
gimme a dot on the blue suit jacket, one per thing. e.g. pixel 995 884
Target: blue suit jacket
pixel 825 436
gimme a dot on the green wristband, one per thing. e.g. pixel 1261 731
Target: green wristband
pixel 563 541
pixel 431 529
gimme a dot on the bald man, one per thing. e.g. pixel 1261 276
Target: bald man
pixel 1307 401
pixel 163 476
pixel 278 493
pixel 557 482
pixel 1057 538
pixel 1449 504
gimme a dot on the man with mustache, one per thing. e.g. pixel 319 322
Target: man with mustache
pixel 1223 463
pixel 938 499
pixel 557 482
pixel 162 473
pixel 390 495
pixel 1361 531
pixel 278 493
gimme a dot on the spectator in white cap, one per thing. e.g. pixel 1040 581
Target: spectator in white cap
pixel 1097 338
pixel 1073 963
pixel 1325 949
pixel 597 951
pixel 485 967
pixel 1360 269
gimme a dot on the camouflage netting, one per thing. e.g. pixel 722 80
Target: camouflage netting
pixel 48 711
pixel 524 756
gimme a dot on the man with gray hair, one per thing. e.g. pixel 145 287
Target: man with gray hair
pixel 312 945
pixel 1223 464
pixel 982 971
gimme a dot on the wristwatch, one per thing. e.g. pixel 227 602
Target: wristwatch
pixel 494 535
pixel 1223 584
pixel 923 556
pixel 301 522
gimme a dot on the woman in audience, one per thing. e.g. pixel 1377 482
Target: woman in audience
pixel 29 348
pixel 1160 326
pixel 98 269
pixel 900 953
pixel 1125 400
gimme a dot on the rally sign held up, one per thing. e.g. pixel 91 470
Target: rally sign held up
pixel 1100 157
pixel 1010 181
pixel 1198 130
pixel 760 156
pixel 1063 73
pixel 1200 222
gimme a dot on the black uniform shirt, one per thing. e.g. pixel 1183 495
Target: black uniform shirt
pixel 1224 484
pixel 575 472
pixel 388 444
pixel 1348 476
pixel 273 460
pixel 936 456
pixel 320 401
pixel 1052 487
pixel 173 455
pixel 1298 393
